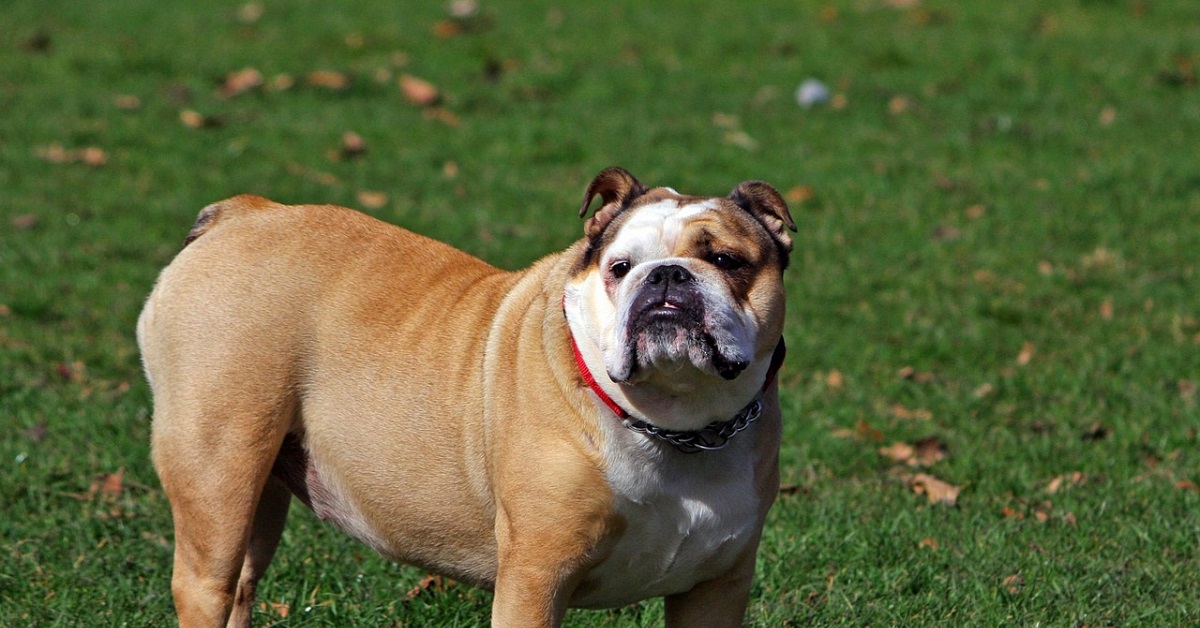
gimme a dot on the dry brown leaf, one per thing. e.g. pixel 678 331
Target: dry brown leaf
pixel 1187 389
pixel 1012 584
pixel 196 120
pixel 835 380
pixel 443 115
pixel 898 452
pixel 799 194
pixel 1108 115
pixel 250 12
pixel 864 431
pixel 983 390
pixel 328 79
pixel 372 200
pixel 445 29
pixel 431 583
pixel 929 451
pixel 113 484
pixel 90 155
pixel 282 82
pixel 898 104
pixel 928 543
pixel 1010 513
pixel 901 412
pixel 127 102
pixel 1106 308
pixel 25 222
pixel 241 81
pixel 935 490
pixel 1187 485
pixel 1026 353
pixel 1064 481
pixel 353 145
pixel 419 91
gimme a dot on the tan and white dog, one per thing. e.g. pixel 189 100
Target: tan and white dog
pixel 597 429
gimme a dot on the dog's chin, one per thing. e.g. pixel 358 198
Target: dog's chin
pixel 671 343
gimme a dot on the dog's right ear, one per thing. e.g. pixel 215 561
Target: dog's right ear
pixel 616 188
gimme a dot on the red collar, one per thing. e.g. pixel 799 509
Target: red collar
pixel 590 380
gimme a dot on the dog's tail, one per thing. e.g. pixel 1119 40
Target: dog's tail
pixel 209 216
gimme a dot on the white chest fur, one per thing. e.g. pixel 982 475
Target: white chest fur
pixel 688 517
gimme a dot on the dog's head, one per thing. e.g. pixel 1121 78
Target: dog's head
pixel 674 287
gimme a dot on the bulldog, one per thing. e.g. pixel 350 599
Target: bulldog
pixel 600 428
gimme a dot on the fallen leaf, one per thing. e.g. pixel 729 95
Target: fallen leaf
pixel 25 222
pixel 1106 308
pixel 928 543
pixel 282 82
pixel 112 484
pixel 864 431
pixel 901 412
pixel 898 105
pixel 1010 513
pixel 328 79
pixel 419 91
pixel 1108 115
pixel 450 169
pixel 835 380
pixel 799 194
pixel 1066 480
pixel 196 120
pixel 372 200
pixel 431 583
pixel 250 12
pixel 975 212
pixel 443 115
pixel 93 156
pixel 281 609
pixel 1012 584
pixel 935 490
pixel 741 139
pixel 1187 389
pixel 1026 354
pixel 353 145
pixel 445 29
pixel 127 102
pixel 983 390
pixel 241 81
pixel 929 451
pixel 1187 485
pixel 898 452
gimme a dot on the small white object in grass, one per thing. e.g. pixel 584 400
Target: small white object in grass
pixel 812 92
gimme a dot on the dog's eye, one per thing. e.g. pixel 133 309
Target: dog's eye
pixel 725 261
pixel 620 269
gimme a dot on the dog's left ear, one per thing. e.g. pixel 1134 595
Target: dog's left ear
pixel 616 188
pixel 766 205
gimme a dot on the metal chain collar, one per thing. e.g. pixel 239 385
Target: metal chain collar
pixel 715 435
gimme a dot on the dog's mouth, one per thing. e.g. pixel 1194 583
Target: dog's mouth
pixel 668 330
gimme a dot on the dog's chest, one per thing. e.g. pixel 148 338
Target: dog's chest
pixel 687 520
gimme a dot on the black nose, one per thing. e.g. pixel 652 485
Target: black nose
pixel 669 274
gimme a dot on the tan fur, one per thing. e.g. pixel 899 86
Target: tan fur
pixel 436 397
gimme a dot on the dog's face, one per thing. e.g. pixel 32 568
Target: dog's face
pixel 676 287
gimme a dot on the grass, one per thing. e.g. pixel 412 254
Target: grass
pixel 997 250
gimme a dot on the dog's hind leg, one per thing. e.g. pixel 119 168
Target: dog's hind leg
pixel 264 538
pixel 228 512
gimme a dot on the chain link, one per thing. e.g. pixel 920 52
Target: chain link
pixel 715 435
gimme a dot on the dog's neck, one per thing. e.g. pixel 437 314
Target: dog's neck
pixel 711 437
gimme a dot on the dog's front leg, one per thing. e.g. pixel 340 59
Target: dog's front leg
pixel 717 603
pixel 550 528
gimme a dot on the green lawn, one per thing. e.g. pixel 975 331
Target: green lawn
pixel 999 250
